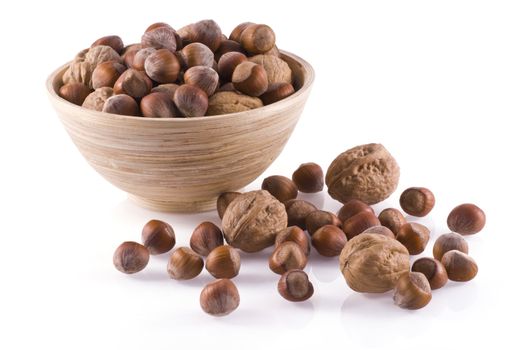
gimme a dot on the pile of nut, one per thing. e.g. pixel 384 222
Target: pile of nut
pixel 374 251
pixel 189 72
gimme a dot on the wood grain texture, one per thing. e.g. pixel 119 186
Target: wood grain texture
pixel 183 164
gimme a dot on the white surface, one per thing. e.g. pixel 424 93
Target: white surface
pixel 440 84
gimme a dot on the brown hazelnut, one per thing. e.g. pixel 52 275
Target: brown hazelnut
pixel 280 187
pixel 329 240
pixel 140 57
pixel 224 200
pixel 296 235
pixel 353 207
pixel 367 172
pixel 358 223
pixel 131 257
pixel 392 218
pixel 276 92
pixel 219 298
pixel 223 262
pixel 380 230
pixel 294 285
pixel 228 62
pixel 257 38
pixel 433 270
pixel 162 66
pixel 466 219
pixel 184 264
pixel 158 105
pixel 308 178
pixel 96 99
pixel 236 32
pixel 106 74
pixel 202 77
pixel 373 263
pixel 129 56
pixel 133 83
pixel 121 104
pixel 412 291
pixel 197 54
pixel 75 93
pixel 227 46
pixel 459 266
pixel 230 88
pixel 101 53
pixel 156 25
pixel 158 237
pixel 287 256
pixel 297 211
pixel 113 41
pixel 225 102
pixel 417 201
pixel 161 38
pixel 205 238
pixel 250 78
pixel 447 242
pixel 191 101
pixel 168 89
pixel 278 71
pixel 319 218
pixel 414 237
pixel 206 32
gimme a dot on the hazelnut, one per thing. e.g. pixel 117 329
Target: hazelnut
pixel 106 74
pixel 158 105
pixel 168 89
pixel 380 230
pixel 224 200
pixel 184 264
pixel 278 71
pixel 308 178
pixel 433 270
pixel 280 187
pixel 131 257
pixel 257 38
pixel 158 25
pixel 101 53
pixel 197 54
pixel 353 207
pixel 205 238
pixel 206 32
pixel 319 218
pixel 277 92
pixel 227 46
pixel 223 262
pixel 129 56
pixel 367 172
pixel 140 57
pixel 412 291
pixel 133 83
pixel 392 218
pixel 158 237
pixel 373 263
pixel 219 298
pixel 459 266
pixel 466 219
pixel 294 285
pixel 287 256
pixel 296 235
pixel 96 99
pixel 78 72
pixel 252 220
pixel 113 41
pixel 250 78
pixel 202 77
pixel 162 66
pixel 236 32
pixel 414 237
pixel 225 102
pixel 191 101
pixel 417 201
pixel 228 62
pixel 75 93
pixel 121 104
pixel 358 223
pixel 297 211
pixel 329 240
pixel 161 38
pixel 447 242
pixel 230 87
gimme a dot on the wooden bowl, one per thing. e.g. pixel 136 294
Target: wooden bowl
pixel 183 164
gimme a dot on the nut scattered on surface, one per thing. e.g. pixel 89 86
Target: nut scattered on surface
pixel 466 219
pixel 433 270
pixel 417 201
pixel 412 291
pixel 184 264
pixel 319 218
pixel 294 285
pixel 459 266
pixel 392 218
pixel 205 238
pixel 329 240
pixel 158 236
pixel 414 237
pixel 281 187
pixel 358 223
pixel 351 208
pixel 308 178
pixel 131 257
pixel 287 256
pixel 447 242
pixel 297 211
pixel 223 262
pixel 296 235
pixel 219 298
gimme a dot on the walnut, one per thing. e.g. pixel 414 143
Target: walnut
pixel 96 99
pixel 252 220
pixel 367 172
pixel 278 71
pixel 231 102
pixel 78 72
pixel 372 263
pixel 101 53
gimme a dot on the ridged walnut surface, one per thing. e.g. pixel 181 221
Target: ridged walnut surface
pixel 183 164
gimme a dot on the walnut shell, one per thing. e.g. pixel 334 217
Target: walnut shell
pixel 252 221
pixel 101 53
pixel 96 99
pixel 278 71
pixel 78 72
pixel 225 102
pixel 367 172
pixel 372 263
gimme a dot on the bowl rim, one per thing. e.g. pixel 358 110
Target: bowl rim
pixel 307 83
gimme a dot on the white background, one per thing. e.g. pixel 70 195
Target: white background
pixel 441 84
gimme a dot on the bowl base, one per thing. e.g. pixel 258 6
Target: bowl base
pixel 175 206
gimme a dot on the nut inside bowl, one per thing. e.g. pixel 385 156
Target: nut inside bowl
pixel 183 164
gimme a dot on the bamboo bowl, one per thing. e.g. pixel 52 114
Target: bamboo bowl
pixel 183 164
